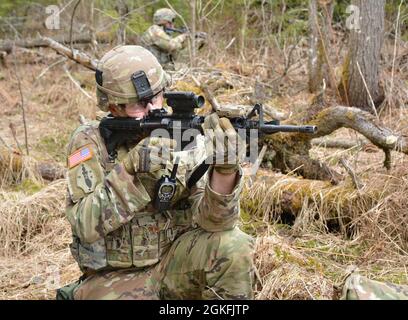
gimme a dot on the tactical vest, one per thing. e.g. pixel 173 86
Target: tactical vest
pixel 145 239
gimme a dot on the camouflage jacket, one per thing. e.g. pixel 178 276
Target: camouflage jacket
pixel 114 224
pixel 163 46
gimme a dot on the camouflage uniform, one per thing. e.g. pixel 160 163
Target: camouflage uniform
pixel 128 250
pixel 357 287
pixel 161 44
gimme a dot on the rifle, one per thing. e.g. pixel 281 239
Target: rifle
pixel 116 131
pixel 176 30
pixel 197 35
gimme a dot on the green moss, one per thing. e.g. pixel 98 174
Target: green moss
pixel 28 186
pixel 311 244
pixel 54 146
pixel 397 278
pixel 250 225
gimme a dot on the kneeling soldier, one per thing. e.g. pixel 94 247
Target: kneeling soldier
pixel 159 41
pixel 125 247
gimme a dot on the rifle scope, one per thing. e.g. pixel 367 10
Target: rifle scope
pixel 183 102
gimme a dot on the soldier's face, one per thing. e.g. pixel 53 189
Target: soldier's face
pixel 169 24
pixel 140 110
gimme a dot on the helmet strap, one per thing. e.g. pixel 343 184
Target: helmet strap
pixel 98 77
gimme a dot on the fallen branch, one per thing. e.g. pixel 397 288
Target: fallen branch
pixel 356 181
pixel 334 118
pixel 208 95
pixel 274 113
pixel 339 143
pixel 76 55
pixel 7 45
pixel 292 150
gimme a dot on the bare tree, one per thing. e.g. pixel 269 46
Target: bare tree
pixel 94 42
pixel 362 65
pixel 122 9
pixel 193 31
pixel 244 27
pixel 319 65
pixel 315 60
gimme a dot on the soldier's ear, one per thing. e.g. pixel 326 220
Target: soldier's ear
pixel 116 110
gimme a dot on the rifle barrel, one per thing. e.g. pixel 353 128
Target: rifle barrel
pixel 270 128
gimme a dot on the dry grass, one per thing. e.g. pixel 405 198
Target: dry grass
pixel 34 237
pixel 285 273
pixel 25 219
pixel 335 227
pixel 310 259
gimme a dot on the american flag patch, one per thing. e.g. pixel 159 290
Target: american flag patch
pixel 79 156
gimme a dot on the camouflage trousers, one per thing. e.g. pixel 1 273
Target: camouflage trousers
pixel 198 265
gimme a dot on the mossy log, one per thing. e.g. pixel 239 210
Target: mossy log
pixel 292 155
pixel 295 200
pixel 292 150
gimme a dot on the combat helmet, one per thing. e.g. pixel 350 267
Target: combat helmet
pixel 128 74
pixel 163 14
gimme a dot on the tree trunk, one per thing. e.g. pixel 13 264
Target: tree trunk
pixel 247 5
pixel 315 61
pixel 193 32
pixel 123 10
pixel 362 66
pixel 94 42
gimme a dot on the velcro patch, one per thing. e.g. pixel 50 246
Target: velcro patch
pixel 81 155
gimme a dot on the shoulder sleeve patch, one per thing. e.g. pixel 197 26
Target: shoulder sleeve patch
pixel 84 177
pixel 79 156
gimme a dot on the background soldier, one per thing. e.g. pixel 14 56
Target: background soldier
pixel 124 246
pixel 157 39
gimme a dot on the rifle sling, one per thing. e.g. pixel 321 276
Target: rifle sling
pixel 197 174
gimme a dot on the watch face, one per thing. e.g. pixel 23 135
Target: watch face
pixel 166 189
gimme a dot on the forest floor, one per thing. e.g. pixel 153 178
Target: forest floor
pixel 304 259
